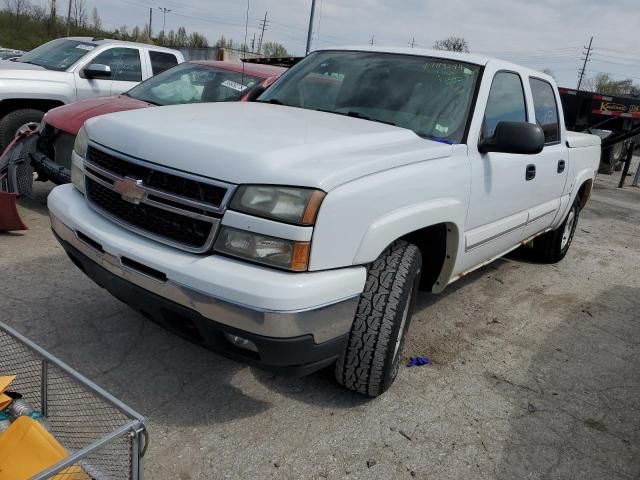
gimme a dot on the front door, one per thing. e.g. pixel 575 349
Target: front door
pixel 502 189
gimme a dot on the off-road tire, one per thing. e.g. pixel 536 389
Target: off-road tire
pixel 370 362
pixel 550 247
pixel 12 121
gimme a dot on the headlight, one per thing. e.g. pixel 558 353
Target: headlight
pixel 82 143
pixel 276 252
pixel 77 172
pixel 286 204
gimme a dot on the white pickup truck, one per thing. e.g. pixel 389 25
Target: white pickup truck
pixel 66 70
pixel 294 233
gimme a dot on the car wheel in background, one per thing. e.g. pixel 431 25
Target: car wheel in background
pixel 14 123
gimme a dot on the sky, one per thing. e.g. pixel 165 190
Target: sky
pixel 542 34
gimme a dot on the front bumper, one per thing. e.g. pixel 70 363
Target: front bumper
pixel 203 297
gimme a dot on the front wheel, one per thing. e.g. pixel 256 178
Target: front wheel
pixel 371 359
pixel 551 247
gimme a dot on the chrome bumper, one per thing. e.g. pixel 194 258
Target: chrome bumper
pixel 325 323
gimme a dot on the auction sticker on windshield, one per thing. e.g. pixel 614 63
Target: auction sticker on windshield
pixel 85 47
pixel 235 86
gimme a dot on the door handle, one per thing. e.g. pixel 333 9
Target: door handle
pixel 561 165
pixel 531 172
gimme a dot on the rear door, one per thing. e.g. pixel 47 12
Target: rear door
pixel 552 163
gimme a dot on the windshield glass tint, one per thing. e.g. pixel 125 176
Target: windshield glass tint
pixel 194 83
pixel 430 96
pixel 58 54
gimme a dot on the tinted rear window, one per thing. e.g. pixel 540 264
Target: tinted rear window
pixel 161 61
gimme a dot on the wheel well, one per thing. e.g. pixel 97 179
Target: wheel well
pixel 7 106
pixel 584 193
pixel 432 242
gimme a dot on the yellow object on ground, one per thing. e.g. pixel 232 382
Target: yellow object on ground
pixel 5 381
pixel 27 448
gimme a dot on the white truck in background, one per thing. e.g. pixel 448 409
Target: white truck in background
pixel 294 233
pixel 66 70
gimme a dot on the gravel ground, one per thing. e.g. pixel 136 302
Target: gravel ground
pixel 535 373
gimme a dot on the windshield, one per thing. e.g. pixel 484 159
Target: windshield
pixel 430 96
pixel 194 83
pixel 58 54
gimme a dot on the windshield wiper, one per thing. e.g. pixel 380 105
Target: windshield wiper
pixel 364 117
pixel 273 101
pixel 355 115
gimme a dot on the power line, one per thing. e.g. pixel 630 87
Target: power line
pixel 584 65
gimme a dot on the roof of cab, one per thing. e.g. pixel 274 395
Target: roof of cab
pixel 110 41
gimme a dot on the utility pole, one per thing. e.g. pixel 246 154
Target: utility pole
pixel 164 11
pixel 263 25
pixel 310 34
pixel 69 19
pixel 413 42
pixel 150 22
pixel 372 42
pixel 586 58
pixel 253 43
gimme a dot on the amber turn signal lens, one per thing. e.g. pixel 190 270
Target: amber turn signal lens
pixel 300 256
pixel 312 208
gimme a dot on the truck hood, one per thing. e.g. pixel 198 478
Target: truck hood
pixel 69 118
pixel 7 65
pixel 262 143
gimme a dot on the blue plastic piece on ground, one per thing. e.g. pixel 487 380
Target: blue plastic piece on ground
pixel 418 361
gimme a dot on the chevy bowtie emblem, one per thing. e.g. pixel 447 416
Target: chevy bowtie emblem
pixel 129 189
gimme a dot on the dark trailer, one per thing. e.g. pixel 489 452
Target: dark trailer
pixel 590 112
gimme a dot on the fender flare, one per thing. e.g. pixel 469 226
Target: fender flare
pixel 404 221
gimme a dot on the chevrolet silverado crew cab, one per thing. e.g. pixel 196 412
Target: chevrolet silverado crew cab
pixel 295 233
pixel 66 70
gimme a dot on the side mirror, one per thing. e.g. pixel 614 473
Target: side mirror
pixel 97 70
pixel 514 137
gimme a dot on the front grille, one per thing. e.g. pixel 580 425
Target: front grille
pixel 174 184
pixel 175 227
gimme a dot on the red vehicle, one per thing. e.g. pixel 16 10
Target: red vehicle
pixel 191 82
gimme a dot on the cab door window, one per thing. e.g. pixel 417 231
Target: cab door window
pixel 506 102
pixel 124 63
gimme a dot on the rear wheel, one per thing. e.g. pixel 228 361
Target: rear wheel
pixel 371 359
pixel 551 247
pixel 17 122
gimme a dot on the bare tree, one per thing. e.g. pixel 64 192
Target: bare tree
pixel 452 44
pixel 80 13
pixel 198 40
pixel 53 15
pixel 18 7
pixel 96 21
pixel 274 49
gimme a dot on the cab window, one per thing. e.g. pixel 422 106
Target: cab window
pixel 544 102
pixel 124 63
pixel 505 104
